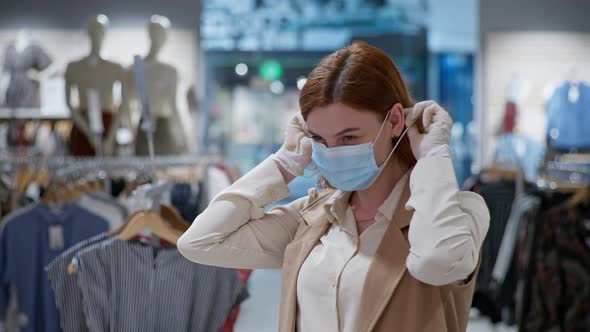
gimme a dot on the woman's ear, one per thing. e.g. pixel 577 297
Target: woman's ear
pixel 396 119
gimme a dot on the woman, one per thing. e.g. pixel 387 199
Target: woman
pixel 391 245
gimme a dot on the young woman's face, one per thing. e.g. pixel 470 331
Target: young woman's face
pixel 338 125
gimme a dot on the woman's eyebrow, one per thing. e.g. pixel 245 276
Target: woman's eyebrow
pixel 346 131
pixel 340 133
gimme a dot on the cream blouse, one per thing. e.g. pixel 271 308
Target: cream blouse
pixel 445 236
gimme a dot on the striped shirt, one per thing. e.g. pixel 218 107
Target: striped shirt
pixel 68 296
pixel 130 286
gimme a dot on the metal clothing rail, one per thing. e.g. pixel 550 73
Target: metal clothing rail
pixel 72 167
pixel 163 161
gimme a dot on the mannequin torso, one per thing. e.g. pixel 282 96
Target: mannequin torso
pixel 98 74
pixel 161 81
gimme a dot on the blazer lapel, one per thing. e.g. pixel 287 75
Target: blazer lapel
pixel 308 235
pixel 387 268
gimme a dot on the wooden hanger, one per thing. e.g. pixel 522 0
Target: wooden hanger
pixel 51 194
pixel 23 179
pixel 58 193
pixel 83 186
pixel 72 268
pixel 580 196
pixel 72 192
pixel 494 173
pixel 95 185
pixel 171 215
pixel 150 220
pixel 43 178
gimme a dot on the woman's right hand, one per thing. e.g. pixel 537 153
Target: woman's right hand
pixel 295 154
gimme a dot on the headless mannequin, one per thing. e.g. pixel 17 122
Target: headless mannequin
pixel 161 82
pixel 25 63
pixel 94 73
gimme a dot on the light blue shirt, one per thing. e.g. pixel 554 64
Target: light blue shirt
pixel 568 124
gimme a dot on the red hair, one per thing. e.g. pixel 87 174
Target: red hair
pixel 363 77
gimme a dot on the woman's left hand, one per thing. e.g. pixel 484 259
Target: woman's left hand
pixel 437 124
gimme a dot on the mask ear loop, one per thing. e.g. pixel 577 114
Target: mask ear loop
pixel 396 143
pixel 399 140
pixel 381 129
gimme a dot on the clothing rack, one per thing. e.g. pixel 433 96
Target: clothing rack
pixel 110 162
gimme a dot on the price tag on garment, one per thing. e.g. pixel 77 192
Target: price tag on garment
pixel 56 237
pixel 94 111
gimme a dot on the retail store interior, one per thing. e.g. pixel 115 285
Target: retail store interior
pixel 121 121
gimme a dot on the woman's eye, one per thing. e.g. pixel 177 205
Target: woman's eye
pixel 317 139
pixel 349 138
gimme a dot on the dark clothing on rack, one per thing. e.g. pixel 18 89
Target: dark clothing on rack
pixel 505 273
pixel 499 197
pixel 491 298
pixel 129 286
pixel 187 200
pixel 30 239
pixel 80 144
pixel 556 280
pixel 68 296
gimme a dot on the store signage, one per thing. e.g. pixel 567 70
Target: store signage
pixel 271 70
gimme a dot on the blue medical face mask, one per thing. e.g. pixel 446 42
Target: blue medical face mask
pixel 350 167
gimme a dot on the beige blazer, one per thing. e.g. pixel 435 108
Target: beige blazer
pixel 392 299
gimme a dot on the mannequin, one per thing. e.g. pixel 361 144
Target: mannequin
pixel 161 82
pixel 93 73
pixel 21 56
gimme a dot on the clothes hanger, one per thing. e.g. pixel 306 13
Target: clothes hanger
pixel 24 177
pixel 152 221
pixel 170 214
pixel 83 186
pixel 495 173
pixel 43 178
pixel 72 267
pixel 125 232
pixel 50 195
pixel 72 192
pixel 580 196
pixel 61 192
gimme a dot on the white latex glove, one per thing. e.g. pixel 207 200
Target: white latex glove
pixel 295 154
pixel 437 124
